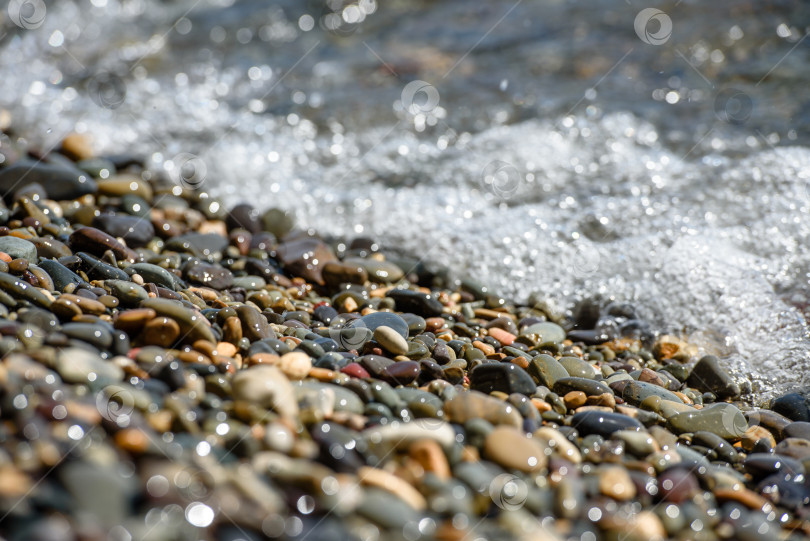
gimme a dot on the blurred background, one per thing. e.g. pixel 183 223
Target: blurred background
pixel 646 152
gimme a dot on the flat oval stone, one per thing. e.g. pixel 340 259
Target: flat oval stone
pixel 278 222
pixel 249 283
pixel 127 292
pixel 198 244
pixel 95 269
pixel 121 185
pixel 254 324
pixel 603 423
pixel 544 332
pixel 60 274
pixel 636 391
pixel 161 331
pixel 344 399
pixel 336 273
pixel 416 324
pixel 155 274
pixel 79 365
pixel 590 387
pixel 379 319
pixel 23 290
pixel 209 275
pixel 615 482
pixel 797 429
pixel 95 241
pixel 350 338
pixel 135 205
pixel 135 231
pixel 578 368
pixel 640 444
pixel 266 386
pixel 60 182
pixel 546 370
pixel 510 448
pixel 305 258
pixel 724 420
pixel 504 377
pixel 761 465
pixel 401 372
pixel 355 370
pixel 709 376
pixel 717 444
pixel 18 248
pixel 421 403
pixel 48 248
pixel 244 216
pixel 377 271
pixel 416 302
pixel 375 364
pixel 98 335
pixel 295 365
pixel 192 324
pixel 391 340
pixel 473 405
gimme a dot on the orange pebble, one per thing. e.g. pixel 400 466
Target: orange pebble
pixel 133 440
pixel 504 337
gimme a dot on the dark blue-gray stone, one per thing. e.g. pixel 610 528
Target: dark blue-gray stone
pixel 60 181
pixel 504 377
pixel 602 423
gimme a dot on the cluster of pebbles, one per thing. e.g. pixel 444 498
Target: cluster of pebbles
pixel 176 370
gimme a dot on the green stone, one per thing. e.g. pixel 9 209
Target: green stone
pixel 546 370
pixel 724 420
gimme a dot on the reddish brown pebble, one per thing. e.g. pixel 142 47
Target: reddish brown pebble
pixel 502 336
pixel 355 370
pixel 161 331
pixel 431 457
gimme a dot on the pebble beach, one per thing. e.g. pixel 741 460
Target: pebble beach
pixel 176 369
pixel 353 270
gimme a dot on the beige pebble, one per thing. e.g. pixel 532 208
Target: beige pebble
pixel 615 482
pixel 265 386
pixel 510 448
pixel 77 146
pixel 295 365
pixel 558 443
pixel 389 482
pixel 226 348
pixel 391 340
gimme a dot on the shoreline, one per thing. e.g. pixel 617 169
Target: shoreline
pixel 250 376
